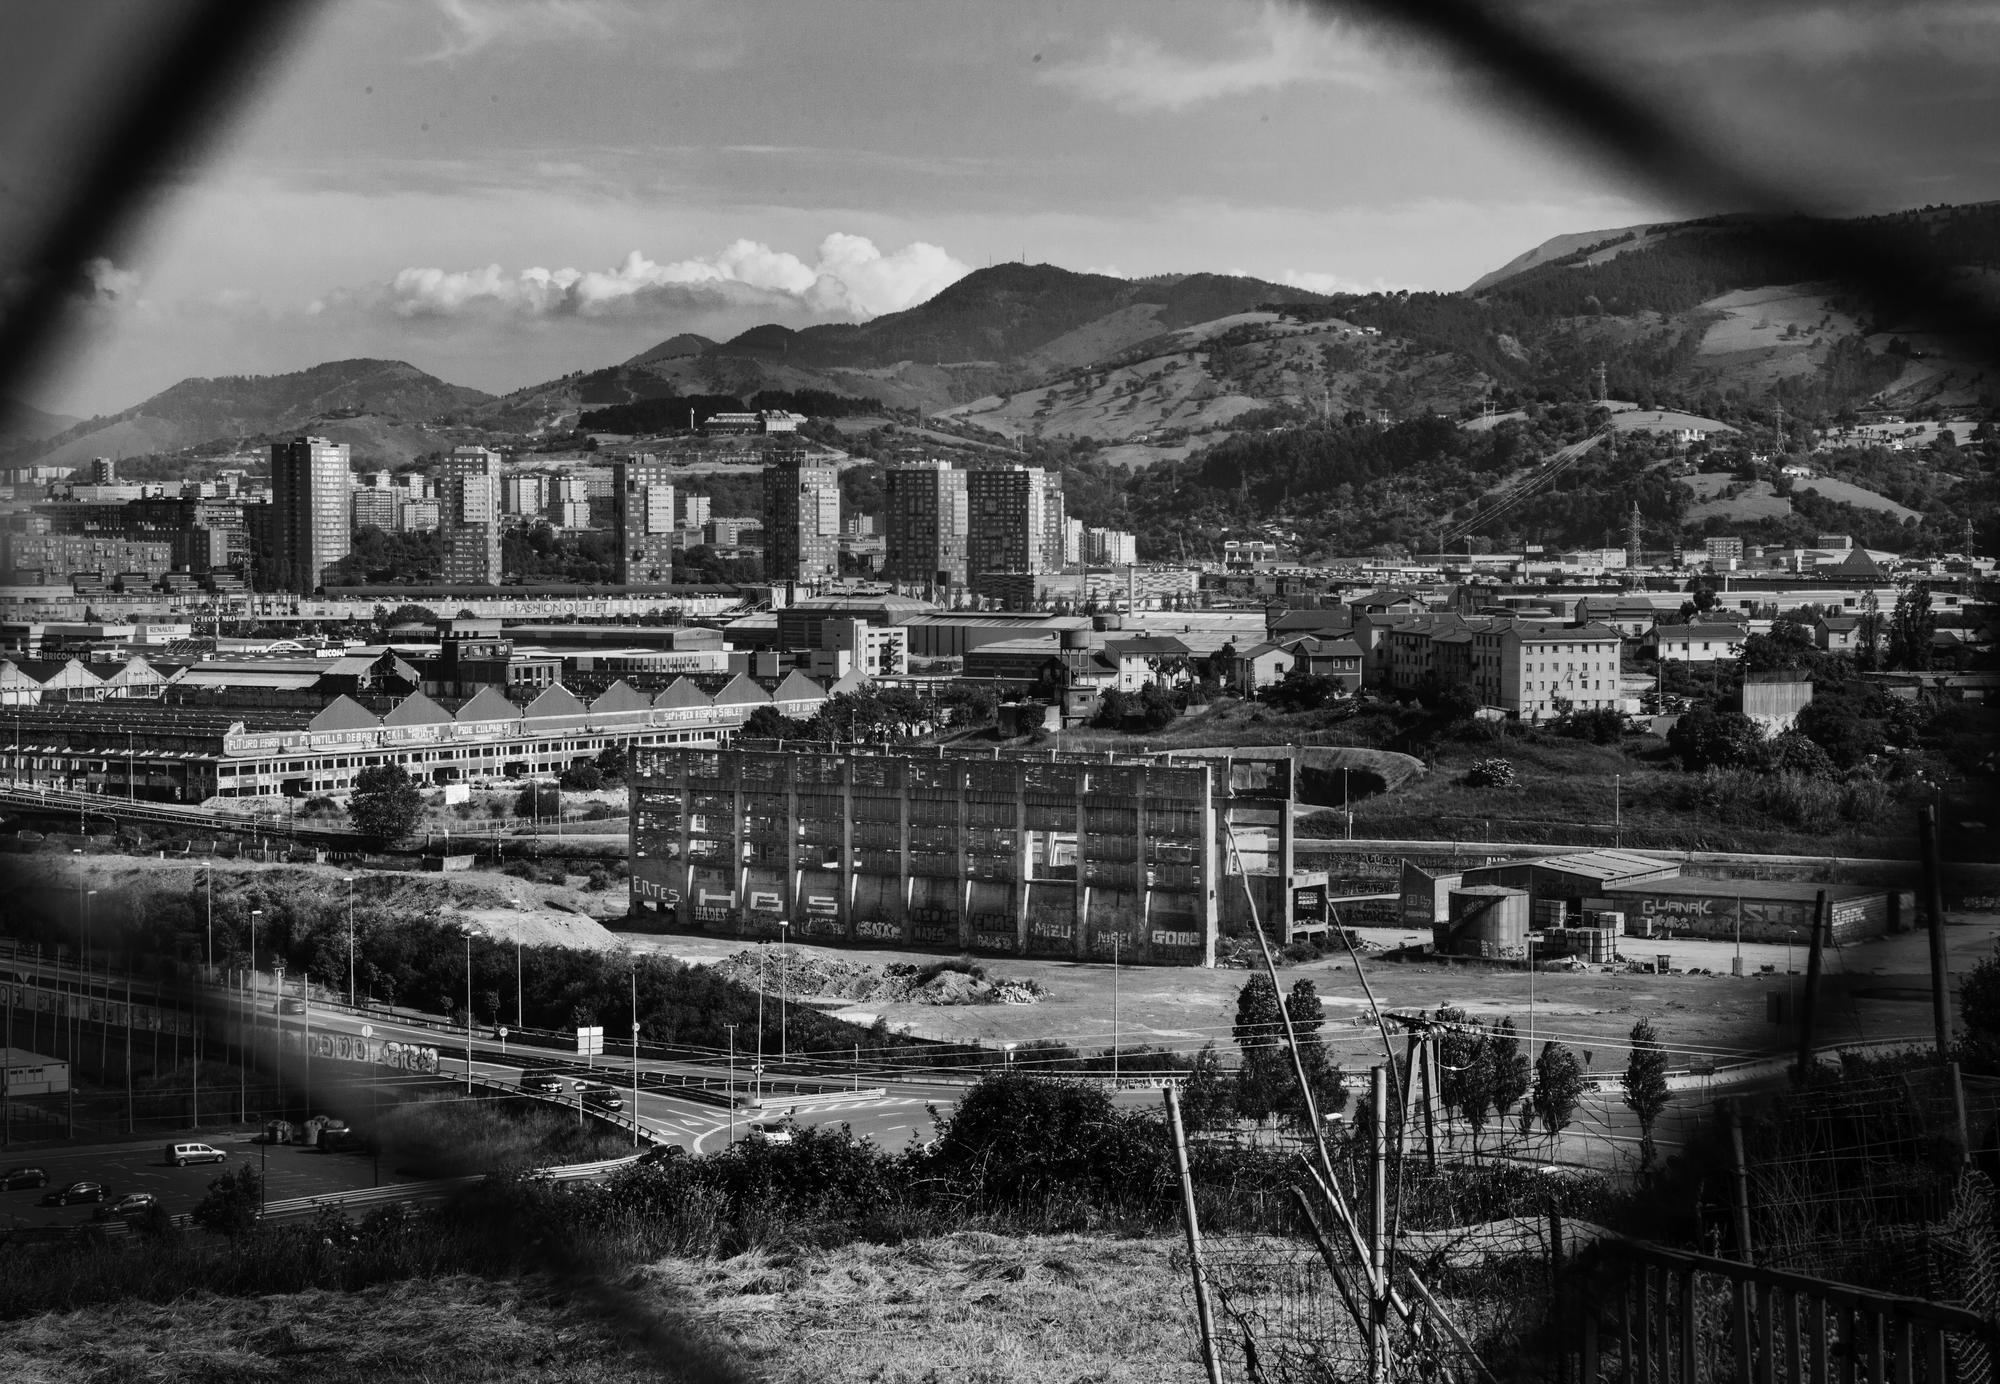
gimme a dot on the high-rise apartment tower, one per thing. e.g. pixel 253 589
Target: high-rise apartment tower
pixel 926 521
pixel 642 493
pixel 801 519
pixel 309 523
pixel 469 516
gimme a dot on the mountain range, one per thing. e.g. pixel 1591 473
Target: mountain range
pixel 1695 313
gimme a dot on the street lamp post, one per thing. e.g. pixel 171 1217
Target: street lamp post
pixel 732 1081
pixel 211 919
pixel 468 1012
pixel 103 1029
pixel 352 993
pixel 1114 1013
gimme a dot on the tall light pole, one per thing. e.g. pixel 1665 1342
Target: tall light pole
pixel 784 980
pixel 732 1081
pixel 211 918
pixel 1114 1013
pixel 757 1098
pixel 103 1029
pixel 245 1039
pixel 520 1016
pixel 352 993
pixel 635 1053
pixel 468 1012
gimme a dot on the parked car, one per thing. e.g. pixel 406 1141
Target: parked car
pixel 180 1155
pixel 770 1131
pixel 14 1179
pixel 131 1204
pixel 75 1192
pixel 549 1085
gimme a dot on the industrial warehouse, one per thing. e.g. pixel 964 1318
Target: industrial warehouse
pixel 1580 904
pixel 1040 855
pixel 479 709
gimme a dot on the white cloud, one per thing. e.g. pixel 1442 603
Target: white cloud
pixel 848 279
pixel 1286 46
pixel 471 26
pixel 109 283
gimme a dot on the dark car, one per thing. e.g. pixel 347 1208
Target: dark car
pixel 290 1006
pixel 548 1084
pixel 603 1098
pixel 131 1204
pixel 14 1179
pixel 75 1192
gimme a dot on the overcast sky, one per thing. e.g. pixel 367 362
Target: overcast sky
pixel 501 191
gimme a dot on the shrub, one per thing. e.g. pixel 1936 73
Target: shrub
pixel 1490 773
pixel 1600 726
pixel 582 777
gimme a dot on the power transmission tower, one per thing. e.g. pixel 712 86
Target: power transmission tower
pixel 1632 540
pixel 1602 391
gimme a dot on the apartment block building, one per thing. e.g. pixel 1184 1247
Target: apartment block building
pixel 926 521
pixel 469 516
pixel 801 519
pixel 1054 522
pixel 1534 671
pixel 309 488
pixel 524 494
pixel 1007 523
pixel 643 514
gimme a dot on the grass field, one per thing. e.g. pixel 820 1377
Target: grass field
pixel 967 1307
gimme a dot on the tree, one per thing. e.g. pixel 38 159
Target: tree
pixel 409 615
pixel 1911 625
pixel 1465 1070
pixel 614 761
pixel 1324 1076
pixel 1259 1031
pixel 1705 739
pixel 1979 1013
pixel 1206 1100
pixel 1645 1083
pixel 233 1204
pixel 582 777
pixel 1511 1080
pixel 538 800
pixel 1868 633
pixel 385 804
pixel 1558 1087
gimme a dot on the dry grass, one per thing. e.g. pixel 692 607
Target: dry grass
pixel 457 1330
pixel 969 1307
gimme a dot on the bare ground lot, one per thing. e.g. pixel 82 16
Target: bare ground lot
pixel 1874 990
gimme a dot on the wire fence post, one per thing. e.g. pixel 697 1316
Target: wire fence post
pixel 1211 1360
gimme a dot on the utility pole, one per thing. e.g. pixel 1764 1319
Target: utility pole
pixel 353 995
pixel 784 985
pixel 1114 1013
pixel 1927 831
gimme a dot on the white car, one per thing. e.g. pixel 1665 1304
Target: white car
pixel 770 1131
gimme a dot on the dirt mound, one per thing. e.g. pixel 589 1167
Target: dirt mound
pixel 815 975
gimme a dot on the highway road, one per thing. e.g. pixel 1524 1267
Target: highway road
pixel 289 1171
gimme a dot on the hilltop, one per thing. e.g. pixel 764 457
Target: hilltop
pixel 366 399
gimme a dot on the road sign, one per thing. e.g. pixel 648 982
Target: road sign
pixel 590 1041
pixel 368 1030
